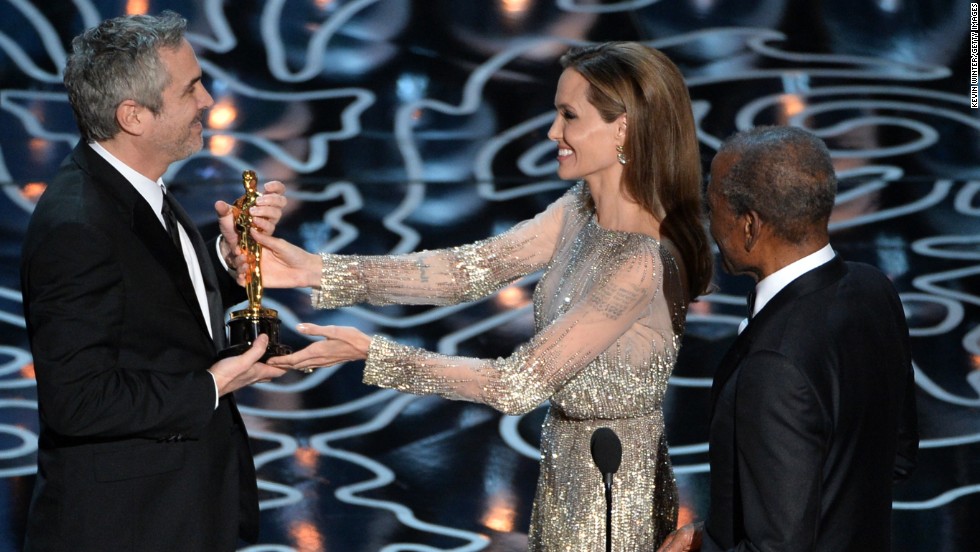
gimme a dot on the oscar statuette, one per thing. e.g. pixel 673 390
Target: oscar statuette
pixel 247 324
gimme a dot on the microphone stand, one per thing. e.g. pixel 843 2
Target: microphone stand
pixel 608 478
pixel 607 453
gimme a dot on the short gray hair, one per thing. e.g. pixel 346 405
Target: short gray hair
pixel 116 61
pixel 785 175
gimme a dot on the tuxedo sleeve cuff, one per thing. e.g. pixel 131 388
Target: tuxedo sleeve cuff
pixel 215 383
pixel 217 251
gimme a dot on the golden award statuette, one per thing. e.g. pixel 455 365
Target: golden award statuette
pixel 247 324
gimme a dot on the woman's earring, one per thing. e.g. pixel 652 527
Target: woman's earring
pixel 620 155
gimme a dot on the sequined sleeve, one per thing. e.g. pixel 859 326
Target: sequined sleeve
pixel 538 368
pixel 441 277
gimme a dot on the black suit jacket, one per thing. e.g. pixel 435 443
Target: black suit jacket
pixel 814 417
pixel 132 453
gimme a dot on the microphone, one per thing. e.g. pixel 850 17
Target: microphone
pixel 607 453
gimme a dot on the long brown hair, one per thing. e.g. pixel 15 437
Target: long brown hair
pixel 664 162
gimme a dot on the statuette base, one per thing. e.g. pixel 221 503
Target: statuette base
pixel 246 325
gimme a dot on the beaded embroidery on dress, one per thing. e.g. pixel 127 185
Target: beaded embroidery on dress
pixel 609 314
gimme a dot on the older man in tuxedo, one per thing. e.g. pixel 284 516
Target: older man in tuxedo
pixel 813 406
pixel 141 446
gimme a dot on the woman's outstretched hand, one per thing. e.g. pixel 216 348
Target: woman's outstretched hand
pixel 266 213
pixel 284 265
pixel 340 344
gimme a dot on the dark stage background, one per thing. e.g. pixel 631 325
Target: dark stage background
pixel 400 125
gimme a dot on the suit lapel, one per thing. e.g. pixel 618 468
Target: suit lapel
pixel 818 278
pixel 728 363
pixel 215 308
pixel 147 227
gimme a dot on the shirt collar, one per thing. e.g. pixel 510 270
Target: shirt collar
pixel 775 282
pixel 151 191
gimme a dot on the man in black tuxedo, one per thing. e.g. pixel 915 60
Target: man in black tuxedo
pixel 814 411
pixel 141 446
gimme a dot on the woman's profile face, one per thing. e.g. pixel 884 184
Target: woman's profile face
pixel 586 143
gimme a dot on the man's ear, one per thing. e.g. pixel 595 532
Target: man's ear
pixel 131 116
pixel 751 229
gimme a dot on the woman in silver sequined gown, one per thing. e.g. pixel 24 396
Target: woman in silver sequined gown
pixel 620 254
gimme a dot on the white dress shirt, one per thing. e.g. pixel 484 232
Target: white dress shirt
pixel 769 286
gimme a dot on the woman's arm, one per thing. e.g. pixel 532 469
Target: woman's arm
pixel 519 382
pixel 439 277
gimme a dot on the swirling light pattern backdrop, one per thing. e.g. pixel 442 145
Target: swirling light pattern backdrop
pixel 401 125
